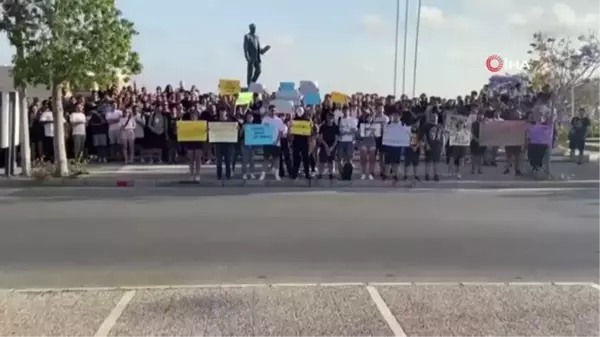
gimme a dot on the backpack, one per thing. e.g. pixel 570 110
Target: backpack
pixel 346 172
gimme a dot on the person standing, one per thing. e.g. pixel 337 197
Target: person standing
pixel 300 147
pixel 224 151
pixel 272 152
pixel 329 134
pixel 579 130
pixel 193 149
pixel 78 122
pixel 128 124
pixel 348 129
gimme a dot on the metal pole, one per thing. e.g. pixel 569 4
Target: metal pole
pixel 396 47
pixel 414 88
pixel 405 43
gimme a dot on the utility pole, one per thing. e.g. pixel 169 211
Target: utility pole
pixel 21 87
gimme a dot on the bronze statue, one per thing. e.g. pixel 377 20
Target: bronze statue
pixel 252 52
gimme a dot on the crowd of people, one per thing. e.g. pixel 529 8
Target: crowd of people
pixel 137 125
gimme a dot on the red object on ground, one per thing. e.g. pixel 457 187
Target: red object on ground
pixel 122 183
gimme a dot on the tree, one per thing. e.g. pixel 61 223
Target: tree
pixel 564 64
pixel 71 39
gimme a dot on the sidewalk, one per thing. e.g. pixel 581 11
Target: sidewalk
pixel 567 175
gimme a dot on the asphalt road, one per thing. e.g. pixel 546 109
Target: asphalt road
pixel 65 237
pixel 149 242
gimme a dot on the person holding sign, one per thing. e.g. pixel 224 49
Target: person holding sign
pixel 300 145
pixel 370 131
pixel 224 150
pixel 329 134
pixel 271 153
pixel 193 149
pixel 247 151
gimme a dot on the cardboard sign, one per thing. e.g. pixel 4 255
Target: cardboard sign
pixel 503 133
pixel 229 87
pixel 192 131
pixel 339 98
pixel 223 132
pixel 459 130
pixel 370 130
pixel 396 135
pixel 301 128
pixel 259 134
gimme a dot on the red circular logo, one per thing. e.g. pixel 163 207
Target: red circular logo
pixel 494 63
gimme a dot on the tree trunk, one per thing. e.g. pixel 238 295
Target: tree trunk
pixel 25 140
pixel 60 152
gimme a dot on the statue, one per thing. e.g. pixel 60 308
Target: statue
pixel 252 52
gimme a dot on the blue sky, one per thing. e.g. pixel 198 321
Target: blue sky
pixel 344 45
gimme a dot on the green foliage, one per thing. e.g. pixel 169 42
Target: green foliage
pixel 66 40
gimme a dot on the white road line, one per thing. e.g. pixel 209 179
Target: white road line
pixel 597 286
pixel 114 315
pixel 384 310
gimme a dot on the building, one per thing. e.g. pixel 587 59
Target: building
pixel 7 85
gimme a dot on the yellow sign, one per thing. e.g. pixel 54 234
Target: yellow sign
pixel 245 98
pixel 229 87
pixel 223 132
pixel 192 131
pixel 301 128
pixel 339 98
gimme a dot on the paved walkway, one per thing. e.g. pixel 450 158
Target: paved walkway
pixel 306 310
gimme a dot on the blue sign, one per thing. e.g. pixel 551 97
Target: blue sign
pixel 259 134
pixel 312 98
pixel 287 86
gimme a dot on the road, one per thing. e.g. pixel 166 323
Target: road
pixel 92 237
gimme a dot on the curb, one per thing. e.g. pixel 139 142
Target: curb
pixel 444 184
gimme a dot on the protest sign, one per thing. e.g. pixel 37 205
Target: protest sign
pixel 301 128
pixel 339 98
pixel 287 86
pixel 191 131
pixel 370 130
pixel 223 132
pixel 229 87
pixel 312 98
pixel 307 87
pixel 245 98
pixel 259 134
pixel 540 134
pixel 459 130
pixel 396 135
pixel 502 133
pixel 257 88
pixel 283 106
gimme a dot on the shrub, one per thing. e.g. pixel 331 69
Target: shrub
pixel 42 170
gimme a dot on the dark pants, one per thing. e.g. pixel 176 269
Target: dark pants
pixel 285 158
pixel 223 153
pixel 300 153
pixel 536 153
pixel 253 72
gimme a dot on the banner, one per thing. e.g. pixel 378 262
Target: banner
pixel 312 98
pixel 370 130
pixel 301 128
pixel 223 132
pixel 192 131
pixel 502 133
pixel 229 87
pixel 259 134
pixel 459 130
pixel 396 135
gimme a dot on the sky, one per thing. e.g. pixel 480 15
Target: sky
pixel 343 45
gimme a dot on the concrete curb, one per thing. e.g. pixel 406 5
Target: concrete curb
pixel 236 183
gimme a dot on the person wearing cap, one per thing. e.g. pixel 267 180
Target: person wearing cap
pixel 272 152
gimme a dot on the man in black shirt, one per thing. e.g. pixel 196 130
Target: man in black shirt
pixel 300 147
pixel 329 134
pixel 578 133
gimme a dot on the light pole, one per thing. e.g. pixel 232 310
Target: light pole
pixel 405 42
pixel 414 88
pixel 396 47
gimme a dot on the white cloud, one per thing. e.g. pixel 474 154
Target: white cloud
pixel 436 18
pixel 372 22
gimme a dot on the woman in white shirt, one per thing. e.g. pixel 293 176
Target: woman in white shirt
pixel 47 120
pixel 128 125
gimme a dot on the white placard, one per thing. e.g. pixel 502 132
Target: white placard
pixel 283 106
pixel 370 130
pixel 459 130
pixel 396 135
pixel 223 132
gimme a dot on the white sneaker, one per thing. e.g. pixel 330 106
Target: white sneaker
pixel 371 177
pixel 197 178
pixel 244 177
pixel 277 177
pixel 252 176
pixel 363 177
pixel 262 176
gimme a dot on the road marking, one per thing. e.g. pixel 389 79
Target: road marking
pixel 114 315
pixel 384 310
